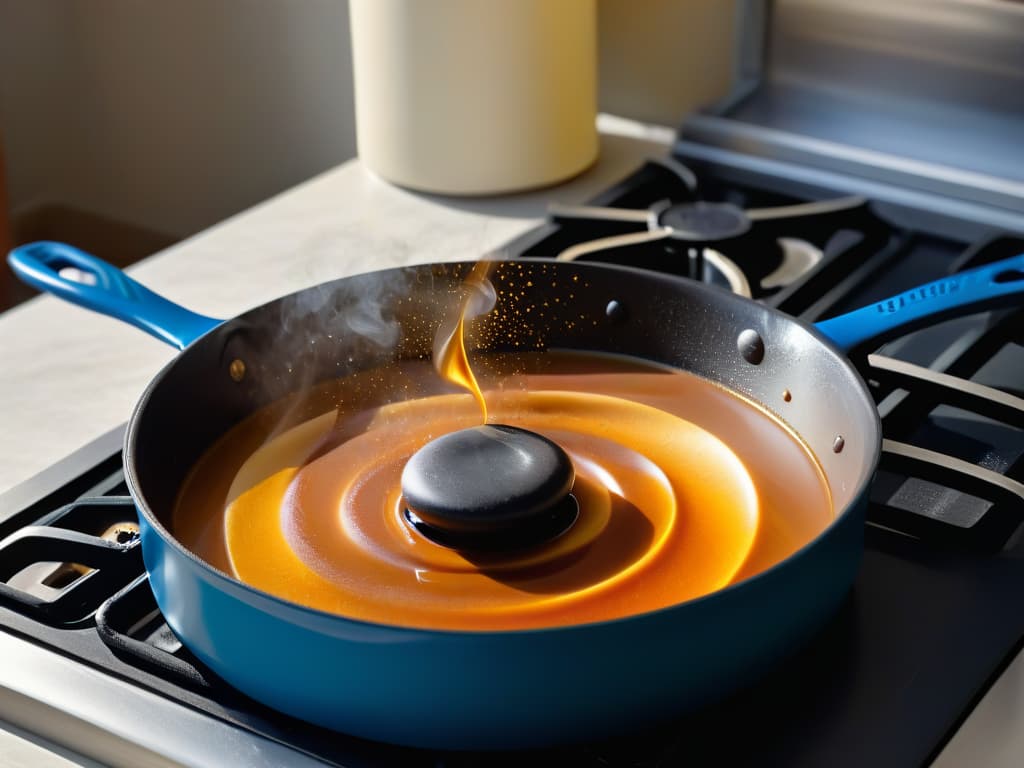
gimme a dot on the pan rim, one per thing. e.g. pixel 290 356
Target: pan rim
pixel 315 618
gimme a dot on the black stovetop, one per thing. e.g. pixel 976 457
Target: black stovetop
pixel 933 615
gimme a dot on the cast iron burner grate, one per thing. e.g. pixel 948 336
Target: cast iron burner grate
pixel 61 569
pixel 768 247
pixel 974 507
pixel 952 470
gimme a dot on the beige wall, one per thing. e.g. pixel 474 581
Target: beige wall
pixel 173 114
pixel 661 59
pixel 33 89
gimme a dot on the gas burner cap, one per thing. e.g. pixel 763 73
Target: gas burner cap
pixel 703 222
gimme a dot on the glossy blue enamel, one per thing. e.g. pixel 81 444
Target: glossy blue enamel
pixel 469 690
pixel 113 292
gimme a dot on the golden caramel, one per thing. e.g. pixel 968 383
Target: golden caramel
pixel 683 488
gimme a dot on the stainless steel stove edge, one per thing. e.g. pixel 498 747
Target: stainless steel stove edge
pixel 952 217
pixel 922 96
pixel 117 723
pixel 970 187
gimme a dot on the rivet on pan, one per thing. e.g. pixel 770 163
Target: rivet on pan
pixel 787 395
pixel 616 312
pixel 838 444
pixel 237 369
pixel 751 346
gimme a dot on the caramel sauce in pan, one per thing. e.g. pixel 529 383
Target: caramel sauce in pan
pixel 683 487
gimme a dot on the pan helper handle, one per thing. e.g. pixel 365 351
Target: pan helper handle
pixel 107 290
pixel 996 285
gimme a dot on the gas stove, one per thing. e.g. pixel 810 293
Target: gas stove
pixel 754 201
pixel 933 614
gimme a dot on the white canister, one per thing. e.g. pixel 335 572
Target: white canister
pixel 474 97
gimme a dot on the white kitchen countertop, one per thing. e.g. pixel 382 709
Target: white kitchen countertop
pixel 68 376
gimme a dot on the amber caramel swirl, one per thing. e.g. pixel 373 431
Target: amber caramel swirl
pixel 683 488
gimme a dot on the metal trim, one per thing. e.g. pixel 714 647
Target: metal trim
pixel 120 724
pixel 817 179
pixel 855 161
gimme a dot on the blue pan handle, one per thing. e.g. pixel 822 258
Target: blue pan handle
pixel 989 287
pixel 114 293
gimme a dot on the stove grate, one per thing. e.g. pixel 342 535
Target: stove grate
pixel 785 251
pixel 966 489
pixel 61 569
pixel 131 625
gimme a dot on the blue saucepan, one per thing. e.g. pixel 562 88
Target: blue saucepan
pixel 498 689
